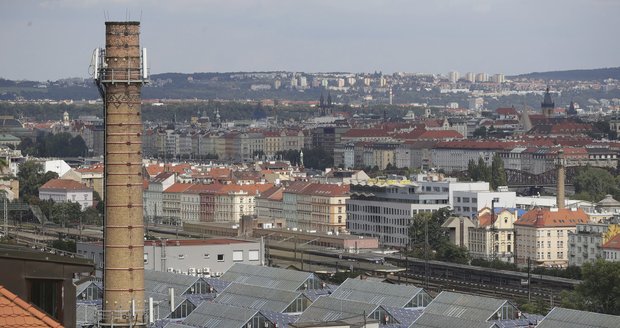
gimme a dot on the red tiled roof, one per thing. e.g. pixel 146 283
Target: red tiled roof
pixel 365 133
pixel 178 187
pixel 271 134
pixel 64 184
pixel 17 313
pixel 506 111
pixel 155 169
pixel 251 189
pixel 201 188
pixel 318 189
pixel 440 134
pixel 613 243
pixel 273 193
pixel 541 218
pixel 477 144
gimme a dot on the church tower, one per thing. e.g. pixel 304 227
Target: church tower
pixel 547 105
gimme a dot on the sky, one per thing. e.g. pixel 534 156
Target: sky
pixel 53 39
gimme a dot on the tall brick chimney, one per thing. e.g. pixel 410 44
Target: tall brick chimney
pixel 561 165
pixel 120 71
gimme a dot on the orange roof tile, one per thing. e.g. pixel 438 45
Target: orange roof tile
pixel 274 193
pixel 178 187
pixel 64 184
pixel 613 243
pixel 542 218
pixel 16 313
pixel 365 133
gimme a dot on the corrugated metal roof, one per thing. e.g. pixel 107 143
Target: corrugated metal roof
pixel 469 307
pixel 257 297
pixel 567 318
pixel 266 276
pixel 84 285
pixel 177 325
pixel 156 284
pixel 281 319
pixel 405 317
pixel 218 315
pixel 374 292
pixel 330 309
pixel 428 320
pixel 218 284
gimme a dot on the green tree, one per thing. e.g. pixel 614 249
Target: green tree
pixel 92 216
pixel 99 203
pixel 472 169
pixel 483 170
pixel 431 221
pixel 4 165
pixel 449 252
pixel 599 290
pixel 498 174
pixel 66 213
pixel 480 133
pixel 593 183
pixel 536 306
pixel 64 245
pixel 31 177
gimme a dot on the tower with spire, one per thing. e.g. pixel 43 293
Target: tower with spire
pixel 571 109
pixel 547 106
pixel 325 107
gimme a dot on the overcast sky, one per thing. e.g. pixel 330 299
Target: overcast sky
pixel 53 39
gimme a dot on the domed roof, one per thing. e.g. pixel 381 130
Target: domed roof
pixel 608 201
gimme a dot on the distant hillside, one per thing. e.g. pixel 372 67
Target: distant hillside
pixel 575 75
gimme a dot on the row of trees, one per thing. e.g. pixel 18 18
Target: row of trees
pixel 593 183
pixel 54 145
pixel 495 175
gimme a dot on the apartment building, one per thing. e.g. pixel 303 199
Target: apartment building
pixel 306 206
pixel 542 235
pixel 492 236
pixel 585 244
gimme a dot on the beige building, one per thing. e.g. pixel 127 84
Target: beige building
pixel 492 236
pixel 234 201
pixel 315 206
pixel 542 235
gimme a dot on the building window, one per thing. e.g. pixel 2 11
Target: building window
pixel 220 257
pixel 253 255
pixel 339 218
pixel 146 258
pixel 207 256
pixel 47 295
pixel 237 256
pixel 181 256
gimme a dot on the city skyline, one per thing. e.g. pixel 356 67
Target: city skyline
pixel 48 40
